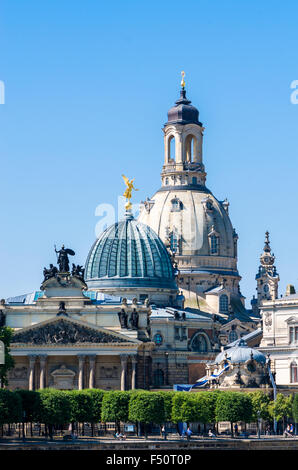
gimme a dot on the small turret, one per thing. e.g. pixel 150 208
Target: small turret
pixel 267 277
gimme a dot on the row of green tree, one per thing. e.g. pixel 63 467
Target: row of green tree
pixel 55 408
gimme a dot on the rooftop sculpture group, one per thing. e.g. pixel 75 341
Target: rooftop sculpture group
pixel 63 263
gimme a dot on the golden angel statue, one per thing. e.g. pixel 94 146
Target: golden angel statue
pixel 127 192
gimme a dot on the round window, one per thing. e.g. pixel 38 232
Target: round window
pixel 158 339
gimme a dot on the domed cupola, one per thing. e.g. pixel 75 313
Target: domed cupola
pixel 240 353
pixel 130 257
pixel 183 112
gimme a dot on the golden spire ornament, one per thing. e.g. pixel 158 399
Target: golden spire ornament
pixel 127 192
pixel 182 81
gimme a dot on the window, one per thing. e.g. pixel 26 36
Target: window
pixel 214 245
pixel 194 180
pixel 293 334
pixel 233 336
pixel 158 339
pixel 158 377
pixel 224 304
pixel 171 149
pixel 176 205
pixel 199 343
pixel 293 373
pixel 174 243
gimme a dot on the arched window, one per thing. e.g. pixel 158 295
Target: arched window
pixel 158 378
pixel 293 373
pixel 233 336
pixel 214 244
pixel 171 148
pixel 190 148
pixel 224 303
pixel 199 343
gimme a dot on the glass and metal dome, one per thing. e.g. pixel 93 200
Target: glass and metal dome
pixel 129 254
pixel 240 353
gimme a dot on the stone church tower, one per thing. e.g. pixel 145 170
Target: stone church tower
pixel 267 278
pixel 193 224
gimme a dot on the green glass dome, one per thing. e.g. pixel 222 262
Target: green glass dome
pixel 129 254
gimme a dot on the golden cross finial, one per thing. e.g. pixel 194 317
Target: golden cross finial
pixel 182 81
pixel 127 192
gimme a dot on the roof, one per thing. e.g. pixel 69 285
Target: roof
pixel 169 312
pixel 183 112
pixel 129 254
pixel 240 353
pixel 252 335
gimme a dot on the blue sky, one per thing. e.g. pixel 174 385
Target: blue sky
pixel 87 89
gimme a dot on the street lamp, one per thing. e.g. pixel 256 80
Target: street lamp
pixel 259 422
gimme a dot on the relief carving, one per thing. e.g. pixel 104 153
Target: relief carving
pixel 64 332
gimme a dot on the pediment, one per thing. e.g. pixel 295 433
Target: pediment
pixel 64 331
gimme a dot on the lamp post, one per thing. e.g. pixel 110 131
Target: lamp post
pixel 259 421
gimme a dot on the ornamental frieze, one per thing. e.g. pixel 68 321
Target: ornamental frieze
pixel 64 332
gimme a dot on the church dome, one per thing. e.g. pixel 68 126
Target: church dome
pixel 183 112
pixel 198 224
pixel 240 353
pixel 129 254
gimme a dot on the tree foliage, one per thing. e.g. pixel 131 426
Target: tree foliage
pixel 30 404
pixel 233 407
pixel 96 404
pixel 281 408
pixel 80 406
pixel 115 406
pixel 295 408
pixel 5 336
pixel 10 407
pixel 147 407
pixel 260 403
pixel 55 407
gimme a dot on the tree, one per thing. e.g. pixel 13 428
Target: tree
pixel 30 405
pixel 168 403
pixel 260 403
pixel 95 411
pixel 233 407
pixel 115 407
pixel 55 408
pixel 5 336
pixel 147 407
pixel 10 407
pixel 295 408
pixel 80 406
pixel 281 408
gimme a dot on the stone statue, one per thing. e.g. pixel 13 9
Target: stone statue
pixel 51 272
pixel 134 319
pixel 123 318
pixel 63 260
pixel 78 271
pixel 62 309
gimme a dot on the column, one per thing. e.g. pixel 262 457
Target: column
pixel 42 360
pixel 32 360
pixel 123 359
pixel 81 372
pixel 92 360
pixel 167 369
pixel 133 371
